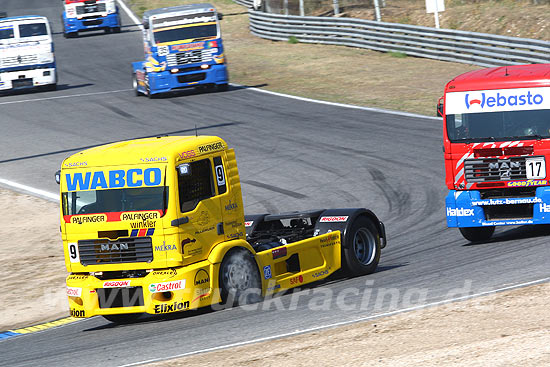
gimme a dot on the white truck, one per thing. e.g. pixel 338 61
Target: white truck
pixel 26 53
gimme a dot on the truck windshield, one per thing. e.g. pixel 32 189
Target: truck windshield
pixel 32 30
pixel 115 200
pixel 498 126
pixel 6 32
pixel 185 33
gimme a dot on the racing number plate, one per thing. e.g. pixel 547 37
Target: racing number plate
pixel 536 168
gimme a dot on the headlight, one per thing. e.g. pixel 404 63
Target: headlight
pixel 111 7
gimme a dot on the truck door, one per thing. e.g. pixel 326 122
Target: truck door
pixel 199 203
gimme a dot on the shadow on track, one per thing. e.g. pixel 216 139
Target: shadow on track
pixel 42 89
pixel 190 130
pixel 513 234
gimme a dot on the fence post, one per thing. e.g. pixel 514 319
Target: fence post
pixel 302 13
pixel 377 10
pixel 336 7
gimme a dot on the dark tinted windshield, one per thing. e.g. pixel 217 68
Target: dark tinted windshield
pixel 490 126
pixel 116 200
pixel 32 29
pixel 193 32
pixel 6 32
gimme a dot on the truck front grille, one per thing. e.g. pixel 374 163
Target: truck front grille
pixel 494 169
pixel 189 57
pixel 124 250
pixel 7 62
pixel 91 8
pixel 120 297
pixel 191 78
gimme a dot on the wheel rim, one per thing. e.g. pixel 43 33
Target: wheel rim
pixel 364 246
pixel 238 276
pixel 134 82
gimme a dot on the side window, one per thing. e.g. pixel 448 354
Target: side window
pixel 196 185
pixel 220 175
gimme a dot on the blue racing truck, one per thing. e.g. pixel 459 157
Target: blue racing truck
pixel 90 15
pixel 183 49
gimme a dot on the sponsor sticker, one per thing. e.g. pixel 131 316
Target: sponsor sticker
pixel 267 272
pixel 460 212
pixel 333 219
pixel 176 306
pixel 527 183
pixel 297 280
pixel 167 286
pixel 248 223
pixel 201 278
pixel 320 273
pixel 211 147
pixel 544 208
pixel 116 283
pixel 78 313
pixel 134 177
pixel 74 292
pixel 498 100
pixel 164 273
pixel 82 219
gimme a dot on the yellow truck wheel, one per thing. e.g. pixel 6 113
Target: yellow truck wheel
pixel 361 248
pixel 240 281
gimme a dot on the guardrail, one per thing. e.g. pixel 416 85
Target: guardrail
pixel 442 44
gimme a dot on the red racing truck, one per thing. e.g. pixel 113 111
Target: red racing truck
pixel 496 139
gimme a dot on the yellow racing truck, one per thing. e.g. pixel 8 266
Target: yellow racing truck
pixel 157 225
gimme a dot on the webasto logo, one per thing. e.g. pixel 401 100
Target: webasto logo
pixel 499 100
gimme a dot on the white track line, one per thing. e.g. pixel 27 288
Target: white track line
pixel 68 96
pixel 30 190
pixel 371 109
pixel 130 13
pixel 343 323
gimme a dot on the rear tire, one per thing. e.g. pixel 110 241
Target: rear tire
pixel 477 234
pixel 240 281
pixel 361 248
pixel 116 30
pixel 126 318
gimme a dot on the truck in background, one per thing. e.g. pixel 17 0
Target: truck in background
pixel 497 148
pixel 183 49
pixel 26 53
pixel 90 15
pixel 157 225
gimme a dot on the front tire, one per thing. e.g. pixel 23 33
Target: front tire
pixel 477 234
pixel 361 248
pixel 121 319
pixel 240 278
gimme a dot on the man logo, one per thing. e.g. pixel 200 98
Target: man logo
pixel 114 247
pixel 505 168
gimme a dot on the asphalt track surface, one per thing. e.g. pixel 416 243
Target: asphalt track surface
pixel 292 155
